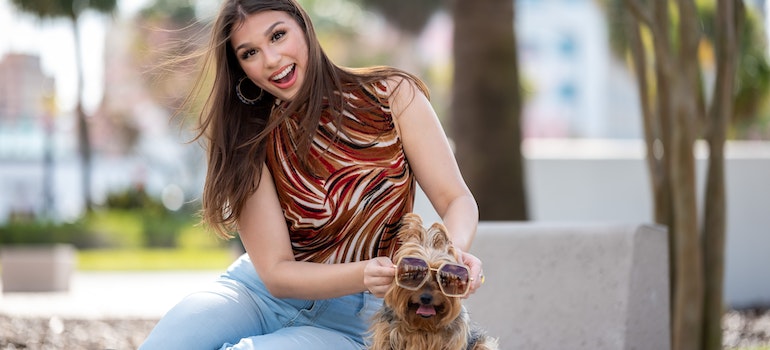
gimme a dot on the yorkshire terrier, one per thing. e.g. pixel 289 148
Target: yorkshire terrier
pixel 423 309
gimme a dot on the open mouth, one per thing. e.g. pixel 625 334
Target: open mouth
pixel 285 76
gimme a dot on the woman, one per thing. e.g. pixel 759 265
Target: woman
pixel 313 165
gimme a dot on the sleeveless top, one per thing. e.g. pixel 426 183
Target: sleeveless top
pixel 347 206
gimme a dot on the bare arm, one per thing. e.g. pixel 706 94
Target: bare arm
pixel 266 239
pixel 436 170
pixel 433 163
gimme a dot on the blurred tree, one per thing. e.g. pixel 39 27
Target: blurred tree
pixel 753 79
pixel 178 11
pixel 486 107
pixel 407 15
pixel 663 40
pixel 752 87
pixel 486 97
pixel 167 37
pixel 72 9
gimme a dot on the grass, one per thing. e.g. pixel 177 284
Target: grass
pixel 197 249
pixel 154 259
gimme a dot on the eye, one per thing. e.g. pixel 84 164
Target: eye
pixel 277 35
pixel 248 53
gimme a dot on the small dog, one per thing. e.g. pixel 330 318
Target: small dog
pixel 423 309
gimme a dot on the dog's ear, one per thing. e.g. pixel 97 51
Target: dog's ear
pixel 411 228
pixel 439 239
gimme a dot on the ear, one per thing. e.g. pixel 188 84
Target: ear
pixel 439 239
pixel 410 229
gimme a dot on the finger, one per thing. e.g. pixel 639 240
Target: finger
pixel 380 289
pixel 477 281
pixel 384 261
pixel 387 271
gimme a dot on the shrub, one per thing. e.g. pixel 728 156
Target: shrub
pixel 47 232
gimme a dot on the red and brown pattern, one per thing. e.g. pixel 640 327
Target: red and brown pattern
pixel 348 205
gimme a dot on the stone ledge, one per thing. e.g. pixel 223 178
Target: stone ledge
pixel 573 286
pixel 37 268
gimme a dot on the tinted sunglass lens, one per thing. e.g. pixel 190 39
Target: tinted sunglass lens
pixel 411 272
pixel 454 279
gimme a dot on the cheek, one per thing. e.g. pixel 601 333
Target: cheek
pixel 247 68
pixel 253 71
pixel 301 52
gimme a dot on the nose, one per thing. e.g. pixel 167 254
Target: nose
pixel 272 58
pixel 426 298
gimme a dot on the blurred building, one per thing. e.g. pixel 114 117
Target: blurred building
pixel 573 85
pixel 26 120
pixel 134 128
pixel 133 138
pixel 23 90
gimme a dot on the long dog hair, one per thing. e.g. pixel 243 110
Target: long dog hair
pixel 425 319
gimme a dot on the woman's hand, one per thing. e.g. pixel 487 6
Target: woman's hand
pixel 378 275
pixel 474 265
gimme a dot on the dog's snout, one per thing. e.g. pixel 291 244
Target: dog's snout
pixel 426 298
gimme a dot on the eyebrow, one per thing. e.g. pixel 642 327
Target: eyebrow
pixel 267 32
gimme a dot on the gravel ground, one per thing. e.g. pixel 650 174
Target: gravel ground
pixel 56 333
pixel 744 329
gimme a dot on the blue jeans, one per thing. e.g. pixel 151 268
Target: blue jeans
pixel 237 312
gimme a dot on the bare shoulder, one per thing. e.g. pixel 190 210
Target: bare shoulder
pixel 403 92
pixel 398 84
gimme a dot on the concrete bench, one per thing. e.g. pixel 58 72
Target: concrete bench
pixel 573 286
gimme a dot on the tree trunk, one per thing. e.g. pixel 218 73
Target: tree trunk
pixel 688 288
pixel 84 142
pixel 714 225
pixel 651 124
pixel 673 107
pixel 664 77
pixel 486 107
pixel 697 256
pixel 688 320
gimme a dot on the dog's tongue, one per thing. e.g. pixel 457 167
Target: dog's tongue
pixel 426 310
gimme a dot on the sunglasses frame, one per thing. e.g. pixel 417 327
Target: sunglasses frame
pixel 434 272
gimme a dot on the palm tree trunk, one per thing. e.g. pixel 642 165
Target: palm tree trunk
pixel 84 143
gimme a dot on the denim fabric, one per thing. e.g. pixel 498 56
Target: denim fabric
pixel 237 312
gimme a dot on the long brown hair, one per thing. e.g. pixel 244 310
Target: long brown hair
pixel 236 133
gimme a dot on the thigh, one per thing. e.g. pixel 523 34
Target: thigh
pixel 298 338
pixel 350 315
pixel 224 313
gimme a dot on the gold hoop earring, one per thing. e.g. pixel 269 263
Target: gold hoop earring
pixel 248 101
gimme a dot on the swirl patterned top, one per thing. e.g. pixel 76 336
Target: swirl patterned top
pixel 347 206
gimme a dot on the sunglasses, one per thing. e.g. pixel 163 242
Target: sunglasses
pixel 413 272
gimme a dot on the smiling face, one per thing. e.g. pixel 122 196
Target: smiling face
pixel 272 51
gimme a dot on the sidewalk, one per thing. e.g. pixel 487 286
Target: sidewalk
pixel 110 295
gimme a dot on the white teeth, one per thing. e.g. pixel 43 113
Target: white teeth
pixel 283 74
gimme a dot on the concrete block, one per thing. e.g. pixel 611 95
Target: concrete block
pixel 44 268
pixel 573 286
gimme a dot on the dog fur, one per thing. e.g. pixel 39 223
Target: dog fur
pixel 399 326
